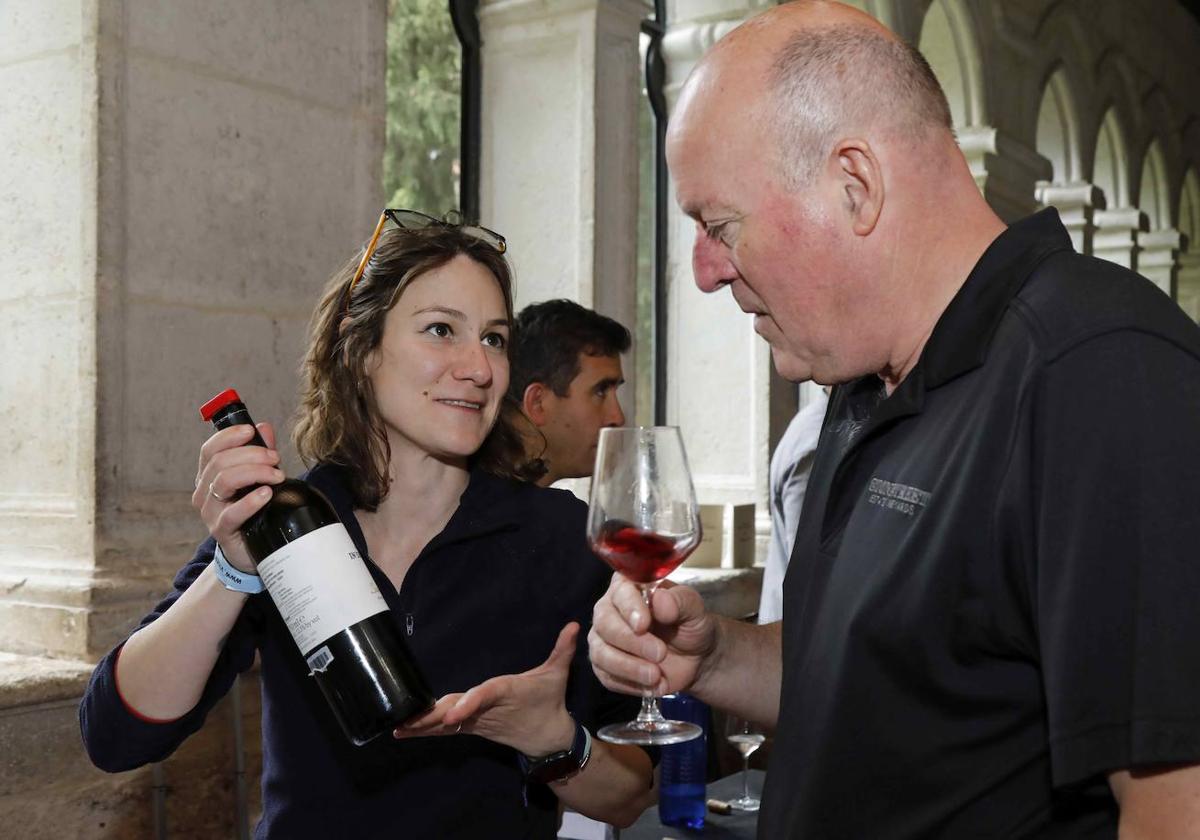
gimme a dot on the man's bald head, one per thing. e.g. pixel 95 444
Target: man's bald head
pixel 816 71
pixel 814 151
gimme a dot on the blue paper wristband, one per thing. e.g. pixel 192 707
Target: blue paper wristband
pixel 235 579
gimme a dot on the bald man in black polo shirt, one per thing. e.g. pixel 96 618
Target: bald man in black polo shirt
pixel 992 611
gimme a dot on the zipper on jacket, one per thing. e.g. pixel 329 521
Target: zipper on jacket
pixel 408 623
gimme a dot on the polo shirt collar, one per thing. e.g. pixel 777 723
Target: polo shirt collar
pixel 486 505
pixel 964 332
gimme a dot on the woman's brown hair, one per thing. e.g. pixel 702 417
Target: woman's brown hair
pixel 336 420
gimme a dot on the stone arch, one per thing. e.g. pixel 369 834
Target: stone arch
pixel 1116 77
pixel 1189 142
pixel 901 16
pixel 1189 209
pixel 1110 167
pixel 1058 129
pixel 1117 115
pixel 1189 137
pixel 1187 289
pixel 950 45
pixel 1154 188
pixel 1163 130
pixel 1068 58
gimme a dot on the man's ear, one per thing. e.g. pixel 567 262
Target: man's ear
pixel 862 177
pixel 533 403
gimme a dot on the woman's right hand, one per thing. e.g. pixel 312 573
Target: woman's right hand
pixel 524 711
pixel 229 463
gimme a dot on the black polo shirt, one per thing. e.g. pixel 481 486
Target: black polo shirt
pixel 994 595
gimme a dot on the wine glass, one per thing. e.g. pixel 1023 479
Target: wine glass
pixel 746 737
pixel 643 521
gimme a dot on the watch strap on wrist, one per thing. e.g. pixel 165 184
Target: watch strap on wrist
pixel 233 578
pixel 587 750
pixel 562 765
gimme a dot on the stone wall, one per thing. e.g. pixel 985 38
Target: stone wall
pixel 51 791
pixel 177 180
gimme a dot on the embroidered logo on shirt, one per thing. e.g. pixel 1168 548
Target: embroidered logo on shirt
pixel 902 498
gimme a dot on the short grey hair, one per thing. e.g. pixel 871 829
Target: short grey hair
pixel 828 81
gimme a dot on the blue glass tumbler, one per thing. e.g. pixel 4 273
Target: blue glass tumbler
pixel 683 767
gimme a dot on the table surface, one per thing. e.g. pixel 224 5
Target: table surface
pixel 737 824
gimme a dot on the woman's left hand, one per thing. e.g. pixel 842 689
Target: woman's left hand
pixel 524 711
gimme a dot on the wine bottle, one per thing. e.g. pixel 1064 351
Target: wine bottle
pixel 329 601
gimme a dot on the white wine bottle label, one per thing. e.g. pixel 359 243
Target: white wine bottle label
pixel 320 585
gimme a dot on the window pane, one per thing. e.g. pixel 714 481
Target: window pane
pixel 424 71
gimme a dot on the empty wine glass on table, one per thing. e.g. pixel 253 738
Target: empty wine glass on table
pixel 643 521
pixel 746 737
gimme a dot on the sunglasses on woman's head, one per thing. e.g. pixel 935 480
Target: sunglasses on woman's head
pixel 416 220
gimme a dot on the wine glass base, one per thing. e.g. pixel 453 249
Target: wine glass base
pixel 650 733
pixel 745 803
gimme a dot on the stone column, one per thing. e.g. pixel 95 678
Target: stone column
pixel 177 181
pixel 1116 236
pixel 561 92
pixel 1158 258
pixel 1076 204
pixel 1006 171
pixel 722 389
pixel 1188 283
pixel 48 88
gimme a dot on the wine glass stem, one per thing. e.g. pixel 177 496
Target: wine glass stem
pixel 746 778
pixel 650 712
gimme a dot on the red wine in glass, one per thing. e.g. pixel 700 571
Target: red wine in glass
pixel 640 555
pixel 643 521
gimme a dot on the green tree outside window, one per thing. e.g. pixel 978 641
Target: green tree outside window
pixel 424 70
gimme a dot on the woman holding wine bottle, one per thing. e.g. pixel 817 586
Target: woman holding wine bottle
pixel 485 580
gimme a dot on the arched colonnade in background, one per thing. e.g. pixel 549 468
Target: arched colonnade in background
pixel 1105 140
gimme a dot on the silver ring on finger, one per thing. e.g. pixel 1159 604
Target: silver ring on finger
pixel 212 491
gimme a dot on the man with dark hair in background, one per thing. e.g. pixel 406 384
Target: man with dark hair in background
pixel 566 368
